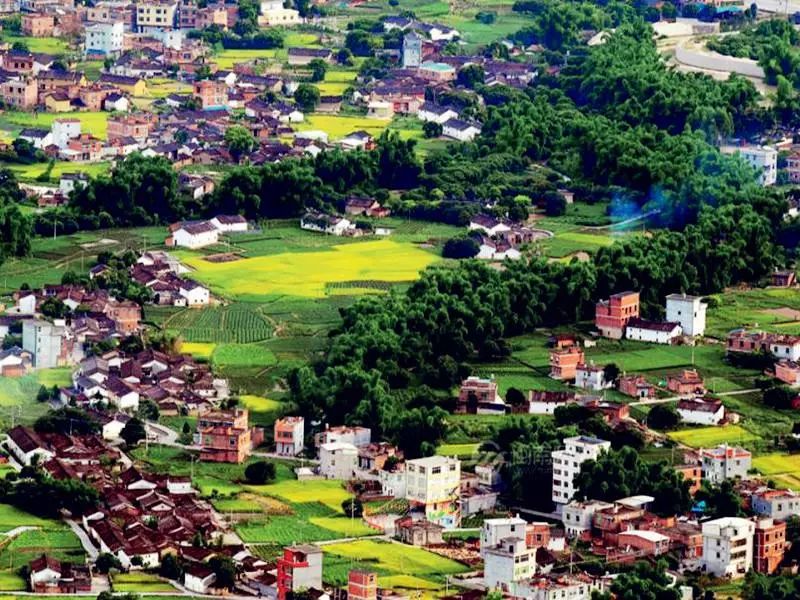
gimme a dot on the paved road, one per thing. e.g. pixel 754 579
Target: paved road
pixel 86 542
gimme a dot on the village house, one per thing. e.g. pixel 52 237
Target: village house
pixel 198 578
pixel 786 278
pixel 419 532
pixel 135 86
pixel 193 235
pixel 37 25
pixel 211 95
pixel 564 363
pixel 688 383
pixel 612 315
pixel 567 464
pixel 51 576
pixel 543 402
pixel 368 207
pixel 700 411
pixel 769 545
pixel 727 547
pixel 479 396
pixel 463 131
pixel 357 436
pixel 508 563
pixel 338 460
pixel 225 436
pixel 21 93
pixel 432 486
pixel 693 473
pixel 780 346
pixel 775 504
pixel 300 56
pixel 15 362
pixel 230 223
pixel 688 311
pixel 725 462
pixel 324 223
pixel 435 113
pixel 654 332
pixel 299 568
pixel 591 377
pixel 27 447
pixel 636 386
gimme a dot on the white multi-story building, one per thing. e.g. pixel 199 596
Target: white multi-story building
pixel 46 343
pixel 559 587
pixel 590 377
pixel 156 15
pixel 762 158
pixel 724 462
pixel 64 130
pixel 567 464
pixel 104 38
pixel 494 530
pixel 689 311
pixel 434 483
pixel 728 547
pixel 577 516
pixel 507 563
pixel 358 436
pixel 338 460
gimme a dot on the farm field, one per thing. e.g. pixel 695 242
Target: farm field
pixel 59 541
pixel 459 450
pixel 339 126
pixel 285 511
pixel 30 173
pixel 19 392
pixel 256 278
pixel 705 437
pixel 200 350
pixel 769 308
pixel 50 258
pixel 783 468
pixel 45 45
pixel 95 123
pixel 389 560
pixel 138 582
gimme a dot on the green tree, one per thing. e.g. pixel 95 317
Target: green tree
pixel 307 97
pixel 318 68
pixel 133 432
pixel 239 141
pixel 664 418
pixel 353 508
pixel 260 472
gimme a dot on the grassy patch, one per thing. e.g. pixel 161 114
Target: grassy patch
pixel 460 450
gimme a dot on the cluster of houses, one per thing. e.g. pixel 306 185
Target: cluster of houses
pixel 166 278
pixel 175 382
pixel 501 238
pixel 348 225
pixel 96 316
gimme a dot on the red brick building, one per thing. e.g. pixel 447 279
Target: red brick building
pixel 636 386
pixel 362 585
pixel 38 25
pixel 564 363
pixel 225 436
pixel 769 545
pixel 686 383
pixel 611 316
pixel 211 94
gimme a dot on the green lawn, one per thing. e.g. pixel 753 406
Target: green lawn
pixel 18 392
pixel 240 355
pixel 461 450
